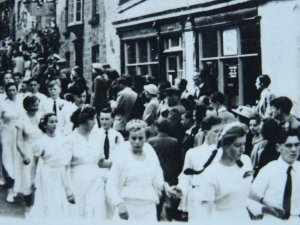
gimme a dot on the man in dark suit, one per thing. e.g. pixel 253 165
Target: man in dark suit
pixel 168 152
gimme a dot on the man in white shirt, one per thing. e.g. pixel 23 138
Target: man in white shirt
pixel 196 160
pixel 59 106
pixel 33 89
pixel 276 187
pixel 109 136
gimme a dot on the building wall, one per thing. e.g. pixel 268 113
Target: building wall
pixel 280 46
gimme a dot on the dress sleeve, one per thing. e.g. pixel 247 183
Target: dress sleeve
pixel 38 149
pixel 114 182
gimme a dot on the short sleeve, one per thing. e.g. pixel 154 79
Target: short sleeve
pixel 38 148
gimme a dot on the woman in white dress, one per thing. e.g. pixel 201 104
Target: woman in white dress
pixel 136 180
pixel 225 186
pixel 28 133
pixel 53 193
pixel 86 177
pixel 11 111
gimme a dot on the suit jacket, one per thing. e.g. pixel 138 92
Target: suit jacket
pixel 123 108
pixel 168 152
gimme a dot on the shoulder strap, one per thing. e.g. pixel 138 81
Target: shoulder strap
pixel 190 171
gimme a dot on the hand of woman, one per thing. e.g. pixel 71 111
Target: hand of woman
pixel 123 211
pixel 26 160
pixel 71 198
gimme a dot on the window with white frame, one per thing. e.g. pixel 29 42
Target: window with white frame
pixel 75 12
pixel 232 54
pixel 141 57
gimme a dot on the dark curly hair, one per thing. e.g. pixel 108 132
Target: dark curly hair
pixel 82 115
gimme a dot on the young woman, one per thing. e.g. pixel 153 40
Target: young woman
pixel 136 179
pixel 86 177
pixel 11 111
pixel 226 184
pixel 28 133
pixel 53 191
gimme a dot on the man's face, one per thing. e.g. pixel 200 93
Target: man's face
pixel 33 86
pixel 258 84
pixel 172 99
pixel 186 122
pixel 289 150
pixel 54 91
pixel 106 120
pixel 254 127
pixel 17 79
pixel 197 80
pixel 275 113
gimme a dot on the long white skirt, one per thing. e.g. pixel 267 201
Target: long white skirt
pixel 139 210
pixel 89 190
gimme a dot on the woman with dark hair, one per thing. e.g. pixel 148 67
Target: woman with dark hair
pixel 53 190
pixel 86 176
pixel 136 180
pixel 27 135
pixel 11 111
pixel 225 184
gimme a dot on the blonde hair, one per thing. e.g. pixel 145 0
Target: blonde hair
pixel 135 124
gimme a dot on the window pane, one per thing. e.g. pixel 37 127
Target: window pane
pixel 153 50
pixel 78 10
pixel 143 70
pixel 250 37
pixel 172 63
pixel 131 70
pixel 143 57
pixel 71 11
pixel 154 70
pixel 210 43
pixel 130 50
pixel 175 41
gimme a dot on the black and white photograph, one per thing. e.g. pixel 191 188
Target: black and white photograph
pixel 150 112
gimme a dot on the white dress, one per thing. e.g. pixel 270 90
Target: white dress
pixel 136 183
pixel 50 195
pixel 227 189
pixel 11 111
pixel 30 135
pixel 87 181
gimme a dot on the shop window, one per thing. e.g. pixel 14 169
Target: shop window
pixel 75 11
pixel 232 55
pixel 172 43
pixel 210 43
pixel 141 57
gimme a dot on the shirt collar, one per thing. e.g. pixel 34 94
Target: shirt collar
pixel 284 164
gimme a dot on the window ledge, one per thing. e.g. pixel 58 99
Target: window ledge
pixel 95 20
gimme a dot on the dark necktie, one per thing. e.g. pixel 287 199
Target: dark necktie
pixel 54 107
pixel 287 194
pixel 106 146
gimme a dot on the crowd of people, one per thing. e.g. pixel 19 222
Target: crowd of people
pixel 137 148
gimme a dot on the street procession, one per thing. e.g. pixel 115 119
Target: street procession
pixel 147 111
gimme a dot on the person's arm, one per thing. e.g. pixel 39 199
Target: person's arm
pixel 20 145
pixel 113 186
pixel 66 183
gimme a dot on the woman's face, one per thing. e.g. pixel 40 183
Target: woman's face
pixel 51 124
pixel 12 92
pixel 89 124
pixel 258 84
pixel 235 150
pixel 137 139
pixel 213 134
pixel 34 107
pixel 80 99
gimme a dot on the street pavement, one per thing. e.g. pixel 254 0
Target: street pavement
pixel 15 209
